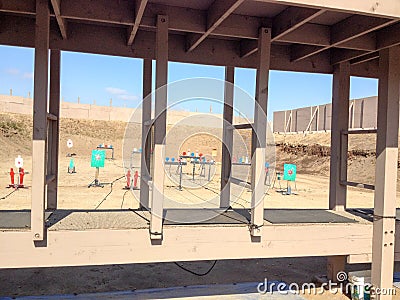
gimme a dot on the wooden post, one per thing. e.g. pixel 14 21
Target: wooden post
pixel 146 134
pixel 339 142
pixel 40 118
pixel 160 126
pixel 339 145
pixel 227 138
pixel 54 134
pixel 260 132
pixel 386 170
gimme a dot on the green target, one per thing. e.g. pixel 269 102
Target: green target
pixel 98 158
pixel 289 172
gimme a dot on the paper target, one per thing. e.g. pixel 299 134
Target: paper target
pixel 70 144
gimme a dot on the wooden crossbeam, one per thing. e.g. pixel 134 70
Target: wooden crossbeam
pixel 217 13
pixel 342 33
pixel 139 11
pixel 62 24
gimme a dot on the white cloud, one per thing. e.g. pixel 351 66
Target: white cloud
pixel 128 97
pixel 121 94
pixel 27 75
pixel 12 71
pixel 116 91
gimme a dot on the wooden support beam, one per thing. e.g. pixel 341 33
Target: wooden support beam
pixel 260 131
pixel 364 58
pixel 39 146
pixel 54 128
pixel 342 55
pixel 160 127
pixel 339 142
pixel 227 138
pixel 62 24
pixel 291 19
pixel 139 11
pixel 217 13
pixel 386 170
pixel 343 32
pixel 146 134
pixel 112 41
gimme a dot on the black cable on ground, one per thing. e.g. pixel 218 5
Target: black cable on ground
pixel 109 193
pixel 9 194
pixel 123 198
pixel 195 273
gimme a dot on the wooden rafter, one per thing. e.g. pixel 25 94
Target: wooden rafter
pixel 139 11
pixel 217 13
pixel 62 24
pixel 343 32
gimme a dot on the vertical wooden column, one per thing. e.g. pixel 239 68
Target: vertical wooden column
pixel 40 118
pixel 386 170
pixel 339 146
pixel 54 124
pixel 339 142
pixel 227 138
pixel 146 135
pixel 160 126
pixel 260 132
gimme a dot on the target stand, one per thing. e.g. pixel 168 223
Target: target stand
pixel 97 161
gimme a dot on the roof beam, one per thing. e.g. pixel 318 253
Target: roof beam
pixel 62 24
pixel 217 13
pixel 388 37
pixel 381 8
pixel 110 40
pixel 365 58
pixel 343 55
pixel 291 19
pixel 344 32
pixel 139 11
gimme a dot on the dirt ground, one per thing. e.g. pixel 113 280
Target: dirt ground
pixel 309 152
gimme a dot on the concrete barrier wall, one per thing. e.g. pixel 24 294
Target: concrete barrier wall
pixel 362 114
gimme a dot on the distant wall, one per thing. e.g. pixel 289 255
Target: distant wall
pixel 21 105
pixel 362 114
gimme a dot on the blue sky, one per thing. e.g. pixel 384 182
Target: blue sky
pixel 100 78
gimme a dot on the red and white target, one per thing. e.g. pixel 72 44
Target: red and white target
pixel 70 144
pixel 19 162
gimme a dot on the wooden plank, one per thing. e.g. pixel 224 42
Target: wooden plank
pixel 243 126
pixel 386 170
pixel 139 11
pixel 40 119
pixel 359 131
pixel 358 185
pixel 339 142
pixel 62 24
pixel 146 134
pixel 210 242
pixel 54 128
pixel 259 133
pixel 227 138
pixel 160 126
